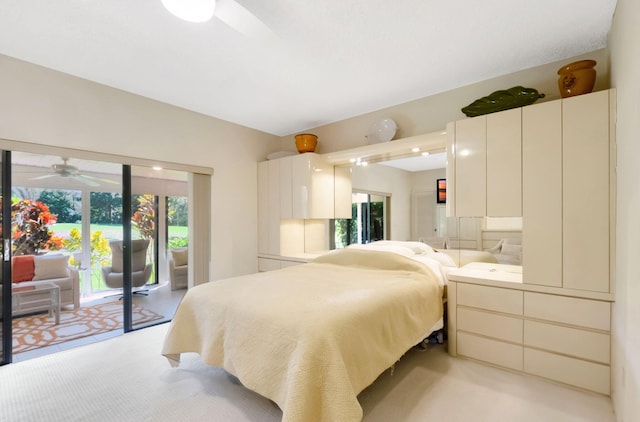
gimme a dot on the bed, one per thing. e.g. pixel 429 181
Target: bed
pixel 312 337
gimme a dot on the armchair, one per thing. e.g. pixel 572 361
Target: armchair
pixel 178 268
pixel 140 270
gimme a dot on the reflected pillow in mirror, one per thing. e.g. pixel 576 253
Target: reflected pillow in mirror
pixel 514 250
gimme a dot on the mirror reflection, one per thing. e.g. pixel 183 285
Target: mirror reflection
pixel 403 199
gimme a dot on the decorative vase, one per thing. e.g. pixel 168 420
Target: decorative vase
pixel 306 142
pixel 577 78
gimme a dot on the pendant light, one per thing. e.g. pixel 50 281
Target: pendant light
pixel 191 10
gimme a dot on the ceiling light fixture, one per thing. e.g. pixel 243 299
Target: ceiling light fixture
pixel 191 10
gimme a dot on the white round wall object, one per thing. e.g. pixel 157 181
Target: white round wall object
pixel 382 131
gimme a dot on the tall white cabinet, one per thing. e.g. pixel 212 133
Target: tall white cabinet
pixel 567 185
pixel 550 317
pixel 296 194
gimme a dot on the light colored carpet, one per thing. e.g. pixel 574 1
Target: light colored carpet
pixel 126 379
pixel 35 331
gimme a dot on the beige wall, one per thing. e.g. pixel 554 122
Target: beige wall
pixel 431 114
pixel 47 107
pixel 624 44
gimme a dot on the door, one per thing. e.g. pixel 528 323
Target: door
pixel 5 272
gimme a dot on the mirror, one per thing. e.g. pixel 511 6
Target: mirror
pixel 410 182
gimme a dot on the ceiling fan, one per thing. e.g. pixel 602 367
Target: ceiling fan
pixel 67 170
pixel 230 12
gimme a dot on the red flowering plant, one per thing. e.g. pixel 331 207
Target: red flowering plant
pixel 30 227
pixel 145 216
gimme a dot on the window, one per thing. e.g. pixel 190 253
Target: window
pixel 367 223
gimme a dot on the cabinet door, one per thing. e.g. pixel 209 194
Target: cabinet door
pixel 286 195
pixel 542 193
pixel 263 207
pixel 274 208
pixel 504 164
pixel 312 187
pixel 451 170
pixel 585 181
pixel 471 167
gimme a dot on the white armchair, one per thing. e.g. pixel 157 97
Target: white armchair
pixel 179 268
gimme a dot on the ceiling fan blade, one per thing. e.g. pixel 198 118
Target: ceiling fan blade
pixel 113 182
pixel 240 19
pixel 45 176
pixel 84 180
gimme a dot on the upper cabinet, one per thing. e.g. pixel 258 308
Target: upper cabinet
pixel 550 163
pixel 567 182
pixel 312 187
pixel 485 167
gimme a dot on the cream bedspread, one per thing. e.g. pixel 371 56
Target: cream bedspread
pixel 311 337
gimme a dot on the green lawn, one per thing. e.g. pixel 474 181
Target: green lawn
pixel 111 231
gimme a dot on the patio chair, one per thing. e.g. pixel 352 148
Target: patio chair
pixel 140 270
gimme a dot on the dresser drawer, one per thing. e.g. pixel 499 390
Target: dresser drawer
pixel 490 298
pixel 580 373
pixel 569 341
pixel 488 350
pixel 492 325
pixel 568 310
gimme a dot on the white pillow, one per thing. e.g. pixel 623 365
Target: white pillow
pixel 383 248
pixel 418 248
pixel 509 249
pixel 50 267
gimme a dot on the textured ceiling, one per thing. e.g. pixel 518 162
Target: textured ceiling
pixel 284 66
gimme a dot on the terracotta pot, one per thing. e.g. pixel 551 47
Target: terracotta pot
pixel 306 142
pixel 577 78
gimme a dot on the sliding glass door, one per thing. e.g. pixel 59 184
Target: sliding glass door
pixel 5 271
pixel 116 235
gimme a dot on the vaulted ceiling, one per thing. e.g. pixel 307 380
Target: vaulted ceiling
pixel 283 66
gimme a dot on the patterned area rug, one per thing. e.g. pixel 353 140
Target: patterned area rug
pixel 37 331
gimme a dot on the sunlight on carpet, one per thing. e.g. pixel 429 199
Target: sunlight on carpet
pixel 37 331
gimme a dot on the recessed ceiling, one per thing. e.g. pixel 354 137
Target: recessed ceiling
pixel 285 66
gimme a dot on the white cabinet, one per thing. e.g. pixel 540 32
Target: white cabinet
pixel 542 193
pixel 470 146
pixel 586 176
pixel 504 164
pixel 294 189
pixel 566 181
pixel 312 185
pixel 269 208
pixel 485 156
pixel 561 338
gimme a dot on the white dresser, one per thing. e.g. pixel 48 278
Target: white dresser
pixel 496 319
